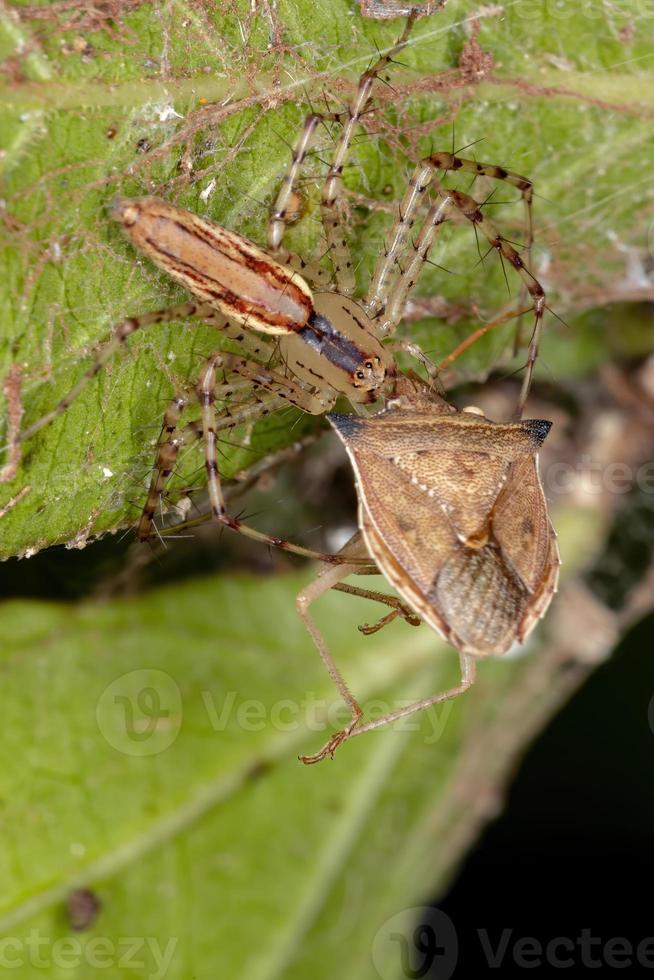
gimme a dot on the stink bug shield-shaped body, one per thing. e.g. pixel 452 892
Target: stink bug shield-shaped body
pixel 452 513
pixel 452 510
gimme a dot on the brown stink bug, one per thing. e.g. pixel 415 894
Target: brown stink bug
pixel 452 513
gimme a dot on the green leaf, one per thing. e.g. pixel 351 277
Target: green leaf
pixel 199 105
pixel 148 751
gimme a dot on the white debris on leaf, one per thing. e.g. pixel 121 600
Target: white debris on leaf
pixel 106 472
pixel 208 191
pixel 182 507
pixel 167 112
pixel 160 112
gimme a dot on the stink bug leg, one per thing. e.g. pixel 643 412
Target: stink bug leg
pixel 452 513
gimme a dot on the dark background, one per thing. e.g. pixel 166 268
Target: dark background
pixel 573 847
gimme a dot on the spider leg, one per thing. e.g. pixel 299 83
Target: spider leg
pixel 332 204
pixel 391 296
pixel 391 283
pixel 278 220
pixel 281 389
pixel 409 347
pixel 480 332
pixel 396 240
pixel 470 209
pixel 240 482
pixel 387 269
pixel 172 440
pixel 130 326
pixel 451 162
pixel 314 273
pixel 249 340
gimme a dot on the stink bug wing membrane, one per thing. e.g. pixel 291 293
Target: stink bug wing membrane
pixel 523 530
pixel 521 525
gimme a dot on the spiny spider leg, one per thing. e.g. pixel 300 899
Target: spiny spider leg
pixel 173 440
pixel 243 480
pixel 450 205
pixel 409 347
pixel 194 432
pixel 425 173
pixel 280 387
pixel 454 163
pixel 125 329
pixel 391 284
pixel 451 162
pixel 331 199
pixel 470 209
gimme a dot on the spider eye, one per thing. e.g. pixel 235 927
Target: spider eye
pixel 369 365
pixel 359 374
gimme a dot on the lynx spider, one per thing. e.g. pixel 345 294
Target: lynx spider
pixel 320 344
pixel 323 344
